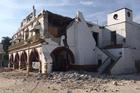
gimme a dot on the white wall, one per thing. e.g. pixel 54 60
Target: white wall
pixel 133 35
pixel 100 55
pixel 105 37
pixel 126 63
pixel 46 58
pixel 116 52
pixel 81 42
pixel 120 31
pixel 119 25
pixel 133 39
pixel 97 29
pixel 122 16
pixel 125 28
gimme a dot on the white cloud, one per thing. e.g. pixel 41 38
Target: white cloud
pixel 88 2
pixel 57 4
pixel 62 3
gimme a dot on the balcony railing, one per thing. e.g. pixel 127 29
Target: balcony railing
pixel 35 38
pixel 21 42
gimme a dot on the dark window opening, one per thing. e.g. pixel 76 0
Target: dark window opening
pixel 124 40
pixel 113 38
pixel 115 16
pixel 26 35
pixel 99 62
pixel 96 36
pixel 37 31
pixel 128 14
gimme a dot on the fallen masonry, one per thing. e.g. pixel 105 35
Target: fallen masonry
pixel 72 80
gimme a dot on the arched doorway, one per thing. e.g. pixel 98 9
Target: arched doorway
pixel 23 60
pixel 62 59
pixel 16 62
pixel 34 62
pixel 11 60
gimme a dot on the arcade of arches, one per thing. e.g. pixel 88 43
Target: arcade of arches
pixel 62 58
pixel 20 60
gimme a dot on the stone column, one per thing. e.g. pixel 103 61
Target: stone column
pixel 45 68
pixel 28 65
pixel 19 61
pixel 9 64
pixel 13 66
pixel 40 66
pixel 19 65
pixel 49 64
pixel 9 61
pixel 43 64
pixel 13 60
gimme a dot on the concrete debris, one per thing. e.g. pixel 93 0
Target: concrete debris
pixel 68 82
pixel 63 76
pixel 115 83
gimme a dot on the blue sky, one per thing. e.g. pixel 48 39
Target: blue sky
pixel 13 11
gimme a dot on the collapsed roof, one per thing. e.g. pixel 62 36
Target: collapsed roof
pixel 58 21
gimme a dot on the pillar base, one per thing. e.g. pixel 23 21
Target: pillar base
pixel 9 65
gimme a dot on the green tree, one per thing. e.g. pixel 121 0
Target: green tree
pixel 6 43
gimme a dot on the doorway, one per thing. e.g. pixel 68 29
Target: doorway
pixel 113 38
pixel 23 60
pixel 34 62
pixel 62 59
pixel 96 37
pixel 16 62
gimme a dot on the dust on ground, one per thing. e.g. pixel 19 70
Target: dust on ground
pixel 17 81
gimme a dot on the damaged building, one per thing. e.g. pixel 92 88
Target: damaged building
pixel 50 42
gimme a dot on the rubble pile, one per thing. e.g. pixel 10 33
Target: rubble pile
pixel 71 81
pixel 74 80
pixel 69 75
